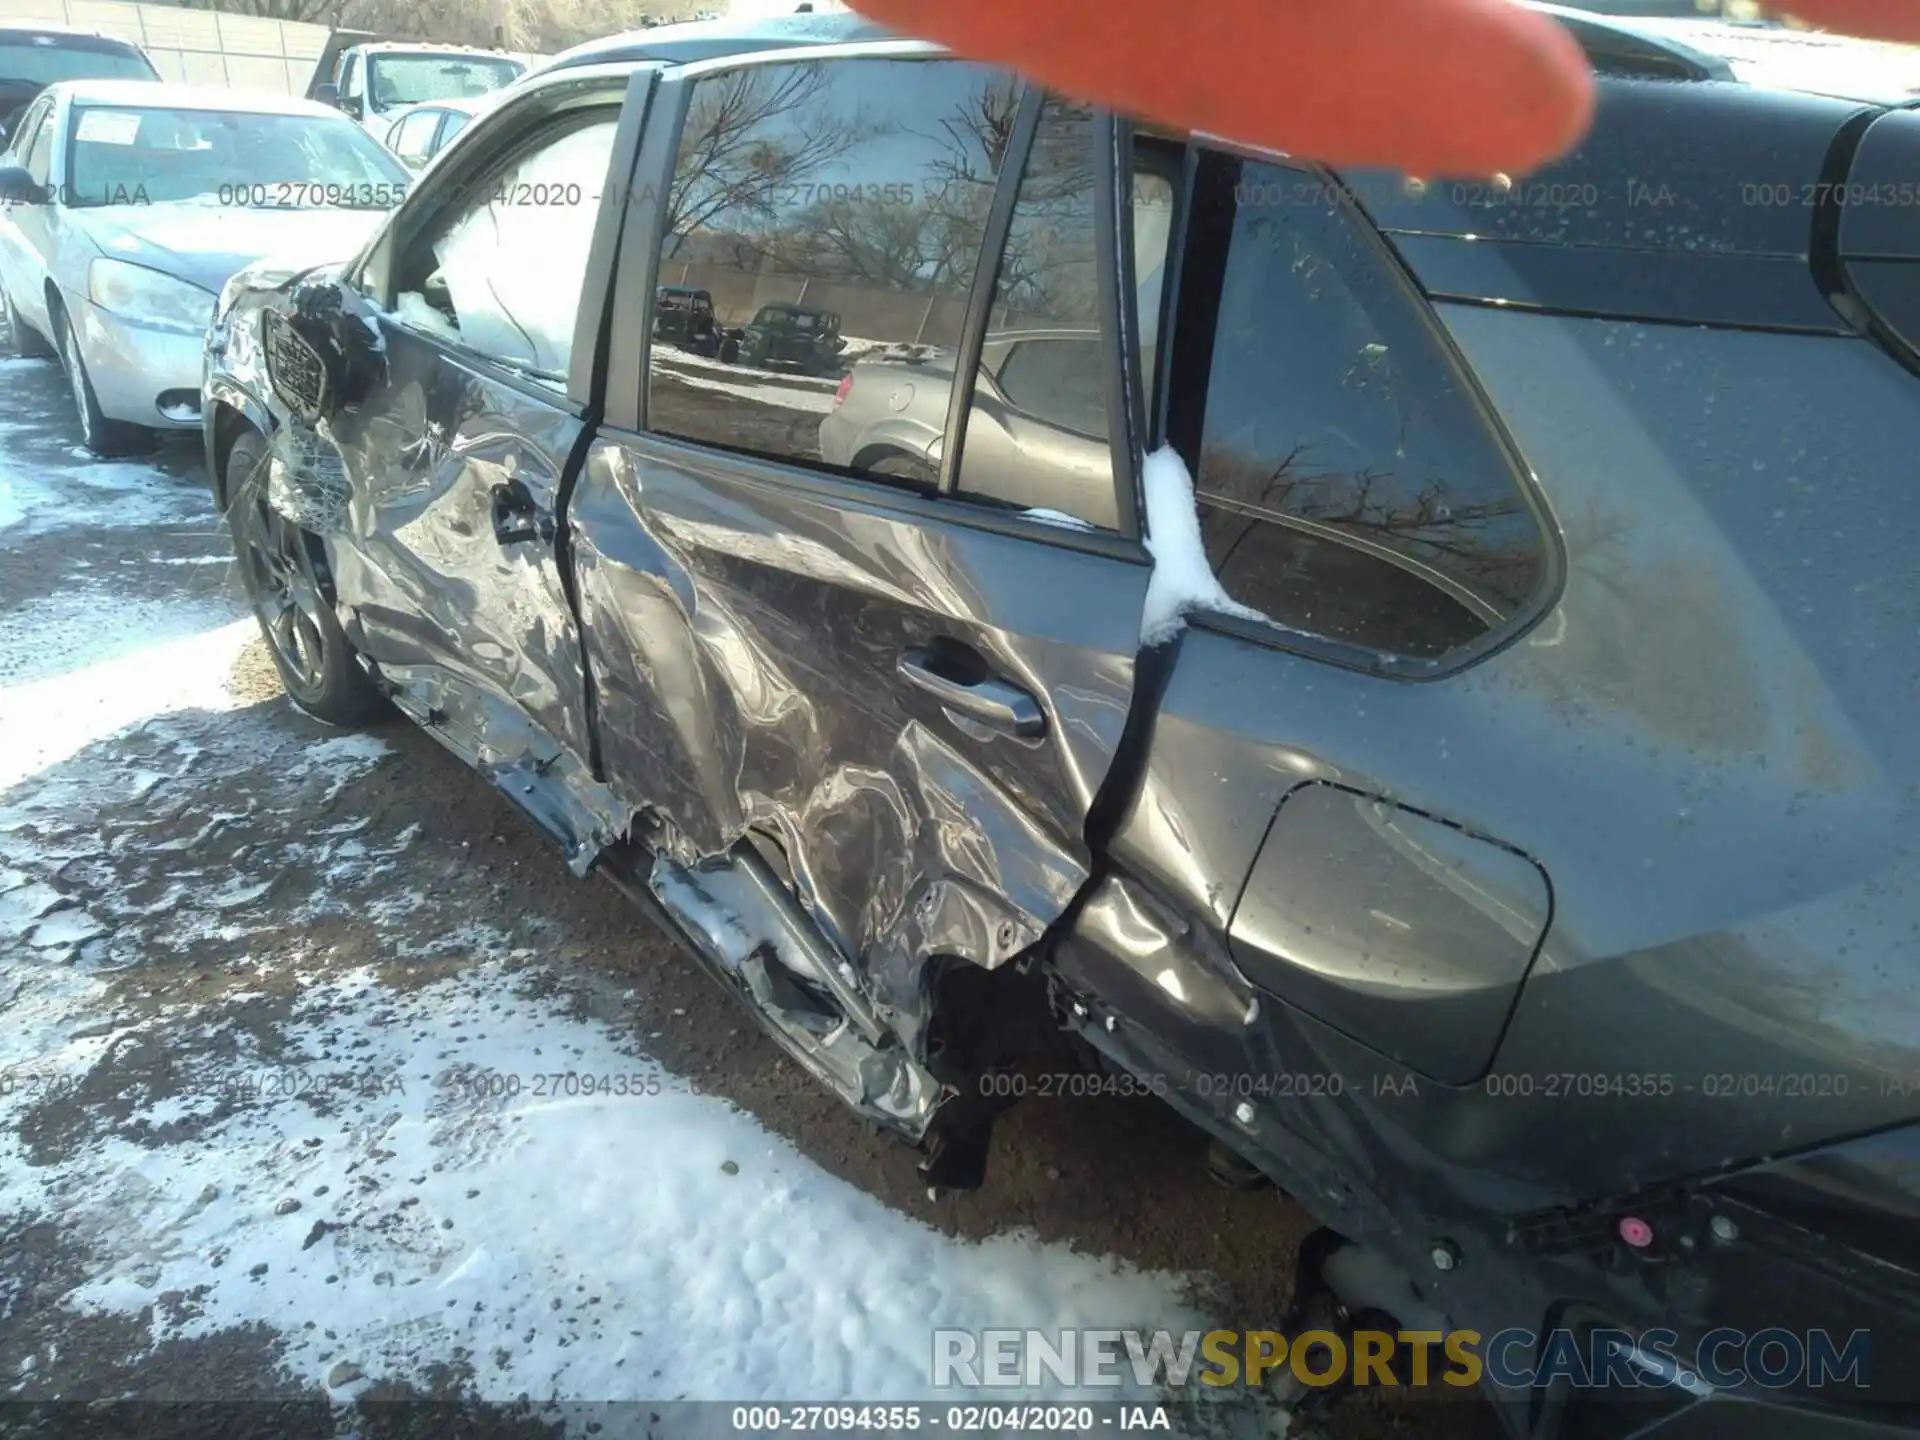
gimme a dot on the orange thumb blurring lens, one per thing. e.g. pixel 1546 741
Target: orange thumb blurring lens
pixel 1434 87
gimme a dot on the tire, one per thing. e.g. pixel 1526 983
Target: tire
pixel 106 438
pixel 729 352
pixel 25 341
pixel 316 661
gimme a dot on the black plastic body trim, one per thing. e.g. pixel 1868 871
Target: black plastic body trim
pixel 986 279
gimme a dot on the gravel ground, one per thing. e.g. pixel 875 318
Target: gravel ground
pixel 230 881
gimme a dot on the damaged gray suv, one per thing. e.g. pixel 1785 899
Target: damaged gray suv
pixel 1428 686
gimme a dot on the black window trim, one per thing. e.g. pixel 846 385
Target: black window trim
pixel 1184 421
pixel 1113 255
pixel 986 279
pixel 1150 412
pixel 627 375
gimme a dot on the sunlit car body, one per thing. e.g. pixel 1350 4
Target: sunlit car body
pixel 152 196
pixel 419 134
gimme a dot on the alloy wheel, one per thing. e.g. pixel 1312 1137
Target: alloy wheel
pixel 281 578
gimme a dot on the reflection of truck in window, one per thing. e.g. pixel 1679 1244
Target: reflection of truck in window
pixel 374 81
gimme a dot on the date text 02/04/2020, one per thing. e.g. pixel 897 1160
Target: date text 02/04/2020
pixel 961 1419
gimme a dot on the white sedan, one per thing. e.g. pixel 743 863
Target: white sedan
pixel 126 206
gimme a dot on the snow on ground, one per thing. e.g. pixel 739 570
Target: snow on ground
pixel 396 1179
pixel 715 1261
pixel 119 493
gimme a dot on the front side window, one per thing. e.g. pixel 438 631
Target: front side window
pixel 832 215
pixel 1348 484
pixel 39 150
pixel 503 275
pixel 128 155
pixel 31 144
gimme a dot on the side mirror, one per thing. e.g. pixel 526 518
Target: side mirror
pixel 327 94
pixel 17 187
pixel 321 353
pixel 353 105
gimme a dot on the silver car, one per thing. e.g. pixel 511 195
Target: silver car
pixel 1038 407
pixel 124 208
pixel 419 134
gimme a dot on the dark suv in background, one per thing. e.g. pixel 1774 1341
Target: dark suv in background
pixel 1419 676
pixel 34 57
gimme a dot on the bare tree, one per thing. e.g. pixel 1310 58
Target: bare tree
pixel 752 137
pixel 305 11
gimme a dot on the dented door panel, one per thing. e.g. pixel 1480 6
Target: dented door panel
pixel 443 463
pixel 434 496
pixel 746 637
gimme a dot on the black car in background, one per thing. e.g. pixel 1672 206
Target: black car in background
pixel 794 336
pixel 34 57
pixel 685 318
pixel 1424 681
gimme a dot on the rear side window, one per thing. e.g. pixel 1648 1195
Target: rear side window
pixel 834 213
pixel 1349 485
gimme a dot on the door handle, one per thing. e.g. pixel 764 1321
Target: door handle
pixel 985 698
pixel 516 517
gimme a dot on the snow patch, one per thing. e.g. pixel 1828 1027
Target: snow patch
pixel 1183 580
pixel 1057 517
pixel 489 1174
pixel 97 495
pixel 51 719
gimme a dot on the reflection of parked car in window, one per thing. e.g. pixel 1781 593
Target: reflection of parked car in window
pixel 419 134
pixel 685 318
pixel 793 335
pixel 128 205
pixel 1038 409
